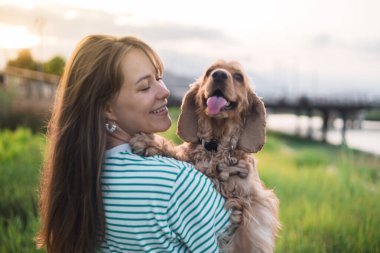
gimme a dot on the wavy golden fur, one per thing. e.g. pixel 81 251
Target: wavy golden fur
pixel 238 129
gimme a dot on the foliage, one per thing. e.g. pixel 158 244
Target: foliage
pixel 12 121
pixel 55 65
pixel 373 114
pixel 171 132
pixel 329 195
pixel 20 160
pixel 24 60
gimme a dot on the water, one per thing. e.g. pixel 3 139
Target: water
pixel 366 139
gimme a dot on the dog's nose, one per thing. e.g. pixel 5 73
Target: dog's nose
pixel 219 76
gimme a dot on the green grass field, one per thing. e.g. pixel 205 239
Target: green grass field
pixel 330 196
pixel 20 160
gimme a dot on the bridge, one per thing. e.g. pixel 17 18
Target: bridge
pixel 350 109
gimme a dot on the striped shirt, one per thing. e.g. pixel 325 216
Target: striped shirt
pixel 159 204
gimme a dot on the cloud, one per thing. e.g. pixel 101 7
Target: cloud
pixel 71 24
pixel 189 49
pixel 61 28
pixel 370 47
pixel 321 40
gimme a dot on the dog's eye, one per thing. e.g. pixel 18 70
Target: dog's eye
pixel 238 77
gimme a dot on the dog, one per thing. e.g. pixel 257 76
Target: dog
pixel 222 122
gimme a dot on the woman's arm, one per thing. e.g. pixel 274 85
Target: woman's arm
pixel 196 212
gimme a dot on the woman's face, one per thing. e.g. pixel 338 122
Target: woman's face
pixel 141 105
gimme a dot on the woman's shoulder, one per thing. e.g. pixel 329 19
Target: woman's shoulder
pixel 122 156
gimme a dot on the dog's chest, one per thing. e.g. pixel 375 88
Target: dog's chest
pixel 208 161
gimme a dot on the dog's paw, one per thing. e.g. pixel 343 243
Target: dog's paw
pixel 236 207
pixel 223 171
pixel 241 169
pixel 145 144
pixel 236 216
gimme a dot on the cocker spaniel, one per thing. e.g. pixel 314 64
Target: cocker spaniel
pixel 222 122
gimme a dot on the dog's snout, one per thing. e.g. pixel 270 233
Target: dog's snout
pixel 219 76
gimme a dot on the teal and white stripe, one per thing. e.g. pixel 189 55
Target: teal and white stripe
pixel 159 204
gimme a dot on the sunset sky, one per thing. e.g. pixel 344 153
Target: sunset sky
pixel 289 47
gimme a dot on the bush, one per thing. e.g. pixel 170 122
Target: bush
pixel 373 114
pixel 20 160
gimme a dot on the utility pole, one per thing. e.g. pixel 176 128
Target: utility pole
pixel 40 23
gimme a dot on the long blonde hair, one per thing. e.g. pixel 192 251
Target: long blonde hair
pixel 71 206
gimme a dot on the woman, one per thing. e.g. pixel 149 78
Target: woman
pixel 96 195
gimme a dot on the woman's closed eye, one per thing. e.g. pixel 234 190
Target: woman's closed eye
pixel 144 86
pixel 147 84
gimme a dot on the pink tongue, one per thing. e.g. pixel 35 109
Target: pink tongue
pixel 214 104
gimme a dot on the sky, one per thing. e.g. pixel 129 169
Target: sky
pixel 288 47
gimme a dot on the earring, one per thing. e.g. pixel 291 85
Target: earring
pixel 111 127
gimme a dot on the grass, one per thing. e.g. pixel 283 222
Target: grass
pixel 329 195
pixel 20 160
pixel 373 114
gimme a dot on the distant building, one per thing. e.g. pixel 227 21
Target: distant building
pixel 33 92
pixel 30 91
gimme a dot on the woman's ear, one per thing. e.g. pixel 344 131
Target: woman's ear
pixel 108 112
pixel 252 138
pixel 187 127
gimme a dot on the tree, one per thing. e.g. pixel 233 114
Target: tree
pixel 55 65
pixel 24 60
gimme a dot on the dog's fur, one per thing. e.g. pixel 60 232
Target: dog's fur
pixel 239 130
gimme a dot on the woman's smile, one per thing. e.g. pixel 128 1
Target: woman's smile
pixel 163 110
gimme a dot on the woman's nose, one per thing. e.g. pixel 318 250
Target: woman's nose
pixel 163 91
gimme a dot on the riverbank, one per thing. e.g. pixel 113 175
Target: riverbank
pixel 364 139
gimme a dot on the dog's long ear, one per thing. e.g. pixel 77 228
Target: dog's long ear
pixel 187 127
pixel 252 138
